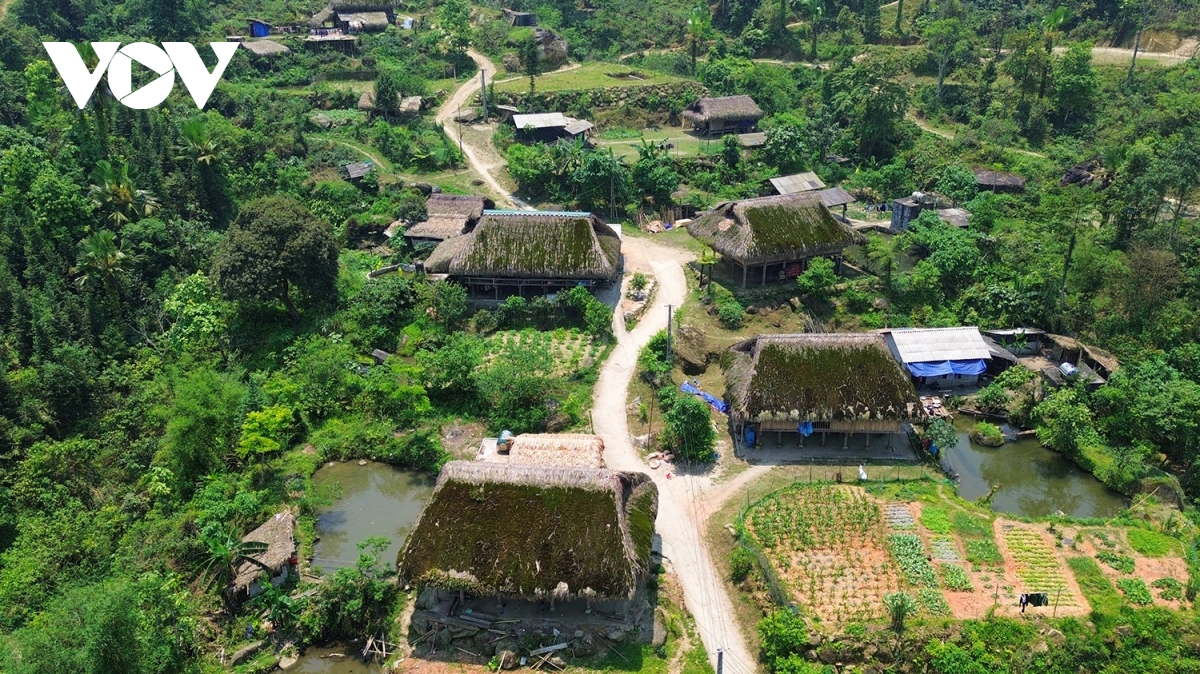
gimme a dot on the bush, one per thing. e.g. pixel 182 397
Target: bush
pixel 741 564
pixel 732 314
pixel 1135 591
pixel 653 358
pixel 689 429
pixel 783 633
pixel 988 435
pixel 1172 590
pixel 1121 563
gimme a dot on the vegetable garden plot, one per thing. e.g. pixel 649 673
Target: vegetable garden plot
pixel 900 517
pixel 828 544
pixel 562 353
pixel 945 549
pixel 1038 564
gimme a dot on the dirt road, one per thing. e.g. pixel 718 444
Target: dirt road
pixel 683 506
pixel 445 116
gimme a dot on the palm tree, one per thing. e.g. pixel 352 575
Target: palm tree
pixel 196 144
pixel 698 27
pixel 224 554
pixel 101 259
pixel 113 190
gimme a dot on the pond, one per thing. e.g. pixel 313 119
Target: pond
pixel 318 661
pixel 1035 481
pixel 376 500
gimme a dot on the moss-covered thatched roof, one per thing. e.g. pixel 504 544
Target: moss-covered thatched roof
pixel 818 377
pixel 532 244
pixel 279 535
pixel 533 532
pixel 723 108
pixel 773 229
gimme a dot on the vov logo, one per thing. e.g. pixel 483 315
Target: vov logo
pixel 178 57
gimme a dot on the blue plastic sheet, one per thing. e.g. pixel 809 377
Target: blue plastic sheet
pixel 688 388
pixel 948 367
pixel 717 404
pixel 805 428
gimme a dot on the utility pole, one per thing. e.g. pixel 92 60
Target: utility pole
pixel 720 660
pixel 670 358
pixel 483 93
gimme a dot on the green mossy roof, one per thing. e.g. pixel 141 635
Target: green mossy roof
pixel 773 229
pixel 518 245
pixel 819 377
pixel 533 532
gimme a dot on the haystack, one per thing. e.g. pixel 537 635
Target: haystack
pixel 531 532
pixel 279 535
pixel 818 378
pixel 576 450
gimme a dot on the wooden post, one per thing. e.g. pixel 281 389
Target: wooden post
pixel 867 445
pixel 764 276
pixel 743 276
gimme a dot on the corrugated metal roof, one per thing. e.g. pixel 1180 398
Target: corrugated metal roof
pixel 928 345
pixel 578 126
pixel 836 196
pixel 539 120
pixel 753 139
pixel 800 182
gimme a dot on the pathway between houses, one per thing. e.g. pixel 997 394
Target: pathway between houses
pixel 446 113
pixel 685 502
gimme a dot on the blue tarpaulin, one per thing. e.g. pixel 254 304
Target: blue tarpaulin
pixel 717 404
pixel 948 367
pixel 805 428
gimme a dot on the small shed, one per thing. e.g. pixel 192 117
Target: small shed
pixel 944 357
pixel 265 48
pixel 799 182
pixel 358 169
pixel 322 19
pixel 722 115
pixel 955 217
pixel 998 181
pixel 279 558
pixel 905 210
pixel 547 127
pixel 506 112
pixel 518 19
pixel 447 216
pixel 835 197
pixel 362 21
pixel 258 28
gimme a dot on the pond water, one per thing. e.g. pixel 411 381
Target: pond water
pixel 312 662
pixel 376 500
pixel 1035 481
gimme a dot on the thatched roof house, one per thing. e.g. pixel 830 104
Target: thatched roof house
pixel 776 234
pixel 448 216
pixel 726 114
pixel 837 382
pixel 574 450
pixel 532 532
pixel 279 535
pixel 541 251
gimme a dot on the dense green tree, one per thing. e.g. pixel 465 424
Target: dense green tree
pixel 945 41
pixel 454 17
pixel 689 430
pixel 817 280
pixel 531 60
pixel 699 27
pixel 203 424
pixel 1076 84
pixel 958 183
pixel 871 21
pixel 868 95
pixel 785 148
pixel 101 261
pixel 273 246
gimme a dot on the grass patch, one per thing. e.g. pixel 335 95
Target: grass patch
pixel 1096 588
pixel 970 526
pixel 591 75
pixel 1135 591
pixel 1151 543
pixel 935 520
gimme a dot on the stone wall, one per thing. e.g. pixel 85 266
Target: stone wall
pixel 670 97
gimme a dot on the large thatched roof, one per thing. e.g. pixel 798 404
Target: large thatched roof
pixel 279 535
pixel 532 244
pixel 533 531
pixel 773 229
pixel 723 109
pixel 818 377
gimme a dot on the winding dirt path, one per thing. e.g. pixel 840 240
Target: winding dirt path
pixel 446 113
pixel 683 506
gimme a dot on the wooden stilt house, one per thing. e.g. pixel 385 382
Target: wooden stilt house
pixel 818 384
pixel 773 238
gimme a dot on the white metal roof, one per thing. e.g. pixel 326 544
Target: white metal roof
pixel 800 182
pixel 578 126
pixel 540 120
pixel 926 345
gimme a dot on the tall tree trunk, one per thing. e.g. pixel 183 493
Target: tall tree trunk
pixel 287 301
pixel 814 38
pixel 941 78
pixel 1137 43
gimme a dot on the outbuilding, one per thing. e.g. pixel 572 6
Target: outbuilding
pixel 940 357
pixel 448 216
pixel 723 115
pixel 275 562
